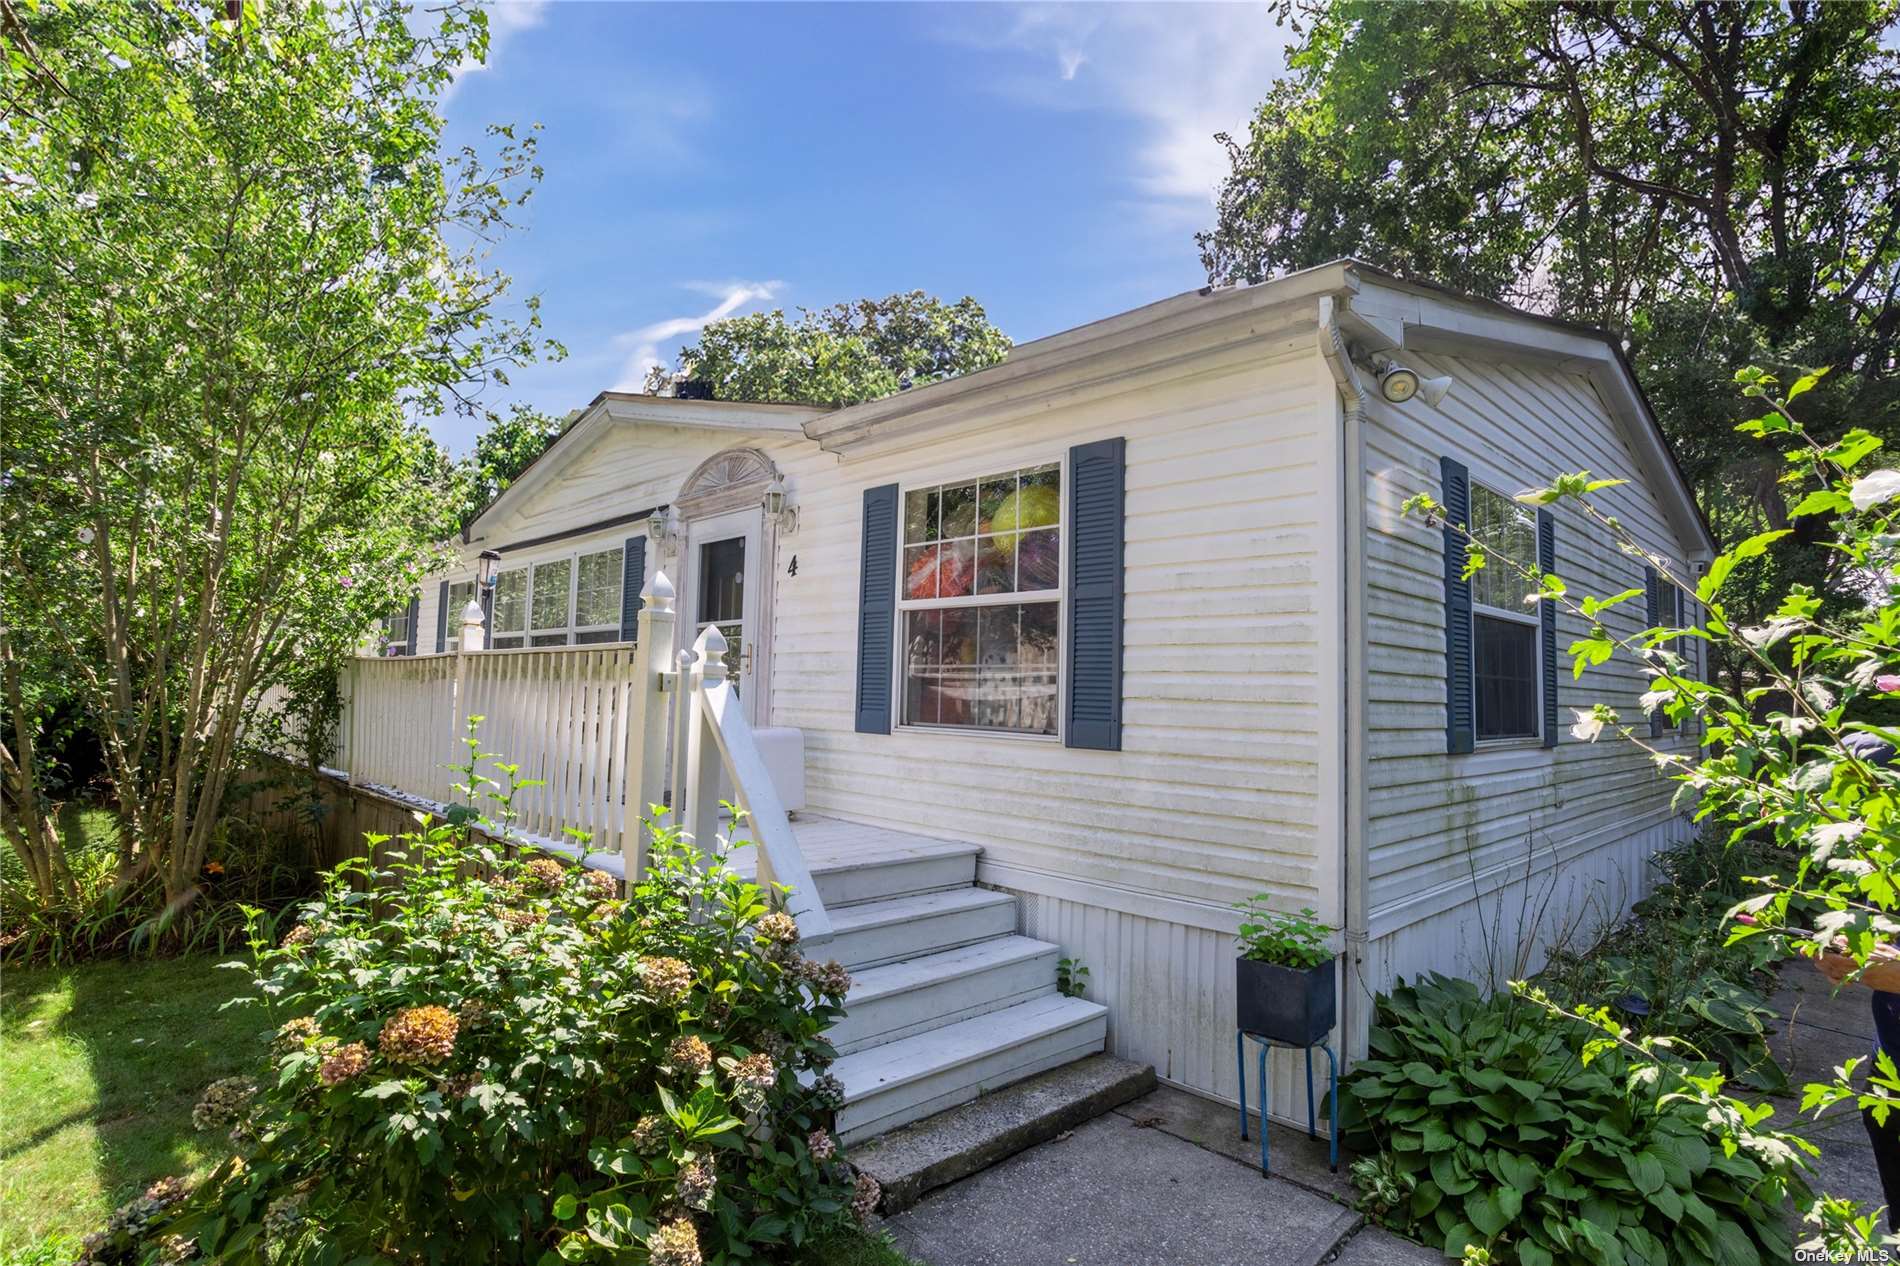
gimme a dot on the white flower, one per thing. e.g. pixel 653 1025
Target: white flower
pixel 1874 488
pixel 1588 725
pixel 86 201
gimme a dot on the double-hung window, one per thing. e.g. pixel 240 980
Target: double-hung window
pixel 570 601
pixel 1506 677
pixel 980 602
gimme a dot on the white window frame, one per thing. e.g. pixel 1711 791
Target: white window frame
pixel 528 632
pixel 1530 616
pixel 973 473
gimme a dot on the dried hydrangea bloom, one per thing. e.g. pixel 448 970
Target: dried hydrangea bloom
pixel 295 1033
pixel 544 873
pixel 600 885
pixel 829 979
pixel 471 1013
pixel 224 1102
pixel 419 1035
pixel 696 1185
pixel 283 1215
pixel 129 1222
pixel 864 1198
pixel 302 934
pixel 459 1087
pixel 648 1135
pixel 667 979
pixel 674 1244
pixel 522 920
pixel 778 927
pixel 828 1090
pixel 343 1063
pixel 756 1072
pixel 689 1055
pixel 606 910
pixel 823 1146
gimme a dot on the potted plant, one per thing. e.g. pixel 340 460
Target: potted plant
pixel 1283 979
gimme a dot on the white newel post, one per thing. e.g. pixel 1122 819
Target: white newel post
pixel 646 719
pixel 702 748
pixel 471 638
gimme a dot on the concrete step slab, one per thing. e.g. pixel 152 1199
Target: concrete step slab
pixel 942 1149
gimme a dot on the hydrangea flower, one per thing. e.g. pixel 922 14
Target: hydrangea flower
pixel 600 885
pixel 419 1035
pixel 823 1146
pixel 674 1244
pixel 648 1135
pixel 864 1198
pixel 224 1102
pixel 829 979
pixel 689 1055
pixel 667 979
pixel 302 934
pixel 696 1185
pixel 777 927
pixel 471 1013
pixel 828 1090
pixel 343 1063
pixel 295 1033
pixel 545 873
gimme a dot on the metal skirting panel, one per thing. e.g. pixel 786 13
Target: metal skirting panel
pixel 1169 990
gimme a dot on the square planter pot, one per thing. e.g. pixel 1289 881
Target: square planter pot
pixel 1295 1005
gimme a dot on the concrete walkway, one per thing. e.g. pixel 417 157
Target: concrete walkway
pixel 1820 1032
pixel 1164 1181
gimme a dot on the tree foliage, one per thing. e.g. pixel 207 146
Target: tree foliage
pixel 1717 183
pixel 838 355
pixel 238 267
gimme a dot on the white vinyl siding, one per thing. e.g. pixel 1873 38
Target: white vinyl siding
pixel 1441 828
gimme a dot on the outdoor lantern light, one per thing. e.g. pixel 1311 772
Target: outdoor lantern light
pixel 661 525
pixel 485 569
pixel 777 507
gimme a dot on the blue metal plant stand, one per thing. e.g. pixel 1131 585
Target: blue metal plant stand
pixel 1241 1038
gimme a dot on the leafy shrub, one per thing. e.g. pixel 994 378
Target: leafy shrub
pixel 485 1058
pixel 1291 940
pixel 1671 972
pixel 1499 1124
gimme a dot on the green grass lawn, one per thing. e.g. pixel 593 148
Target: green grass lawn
pixel 100 1066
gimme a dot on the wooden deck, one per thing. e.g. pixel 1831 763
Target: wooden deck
pixel 832 844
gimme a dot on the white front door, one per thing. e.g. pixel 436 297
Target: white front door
pixel 723 571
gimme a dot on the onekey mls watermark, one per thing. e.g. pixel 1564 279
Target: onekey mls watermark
pixel 1869 1256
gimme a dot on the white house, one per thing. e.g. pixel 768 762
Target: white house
pixel 1125 630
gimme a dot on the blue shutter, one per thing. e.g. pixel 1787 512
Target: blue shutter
pixel 1547 625
pixel 633 574
pixel 1096 494
pixel 442 617
pixel 1652 616
pixel 1461 725
pixel 415 602
pixel 877 609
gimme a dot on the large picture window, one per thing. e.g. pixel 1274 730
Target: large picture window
pixel 1504 625
pixel 980 602
pixel 569 601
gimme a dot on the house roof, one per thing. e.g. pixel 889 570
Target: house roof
pixel 630 408
pixel 1383 311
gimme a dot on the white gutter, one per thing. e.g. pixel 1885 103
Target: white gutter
pixel 1356 998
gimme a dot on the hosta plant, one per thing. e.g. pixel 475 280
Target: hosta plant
pixel 484 1058
pixel 1505 1125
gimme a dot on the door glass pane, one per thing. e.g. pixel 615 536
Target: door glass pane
pixel 550 594
pixel 722 581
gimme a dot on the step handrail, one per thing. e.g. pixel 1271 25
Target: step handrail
pixel 719 738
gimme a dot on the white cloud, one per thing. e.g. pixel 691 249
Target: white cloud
pixel 506 18
pixel 1182 71
pixel 645 342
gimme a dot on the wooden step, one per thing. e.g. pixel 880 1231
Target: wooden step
pixel 898 869
pixel 898 1082
pixel 876 932
pixel 913 995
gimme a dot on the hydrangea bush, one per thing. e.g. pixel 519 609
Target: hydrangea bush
pixel 482 1058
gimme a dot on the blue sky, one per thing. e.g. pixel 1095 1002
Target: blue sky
pixel 1052 161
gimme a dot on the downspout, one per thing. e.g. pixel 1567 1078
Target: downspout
pixel 1356 998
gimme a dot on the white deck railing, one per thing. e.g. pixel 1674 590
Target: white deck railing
pixel 595 726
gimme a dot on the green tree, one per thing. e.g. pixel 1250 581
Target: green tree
pixel 507 447
pixel 238 269
pixel 1717 183
pixel 838 355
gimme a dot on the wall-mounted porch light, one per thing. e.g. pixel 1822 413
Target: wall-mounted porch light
pixel 662 527
pixel 778 507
